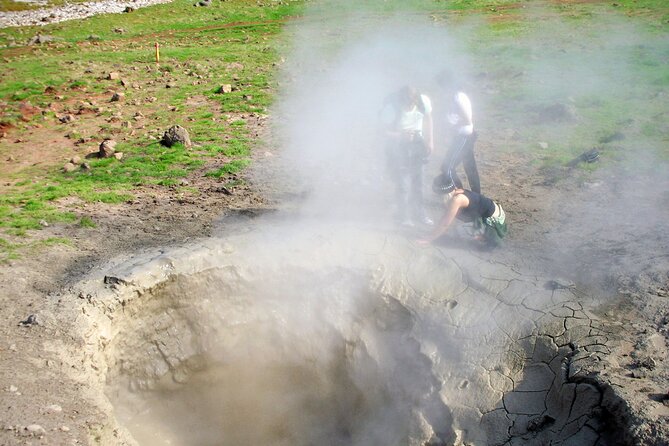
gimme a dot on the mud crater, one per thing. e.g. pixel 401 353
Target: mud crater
pixel 301 352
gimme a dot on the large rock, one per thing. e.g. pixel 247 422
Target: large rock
pixel 176 135
pixel 107 148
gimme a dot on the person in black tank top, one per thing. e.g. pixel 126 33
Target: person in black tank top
pixel 487 216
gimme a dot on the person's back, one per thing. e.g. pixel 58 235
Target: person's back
pixel 460 115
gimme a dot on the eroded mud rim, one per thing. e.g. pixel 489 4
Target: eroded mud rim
pixel 441 343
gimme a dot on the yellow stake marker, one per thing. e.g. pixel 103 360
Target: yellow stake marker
pixel 157 52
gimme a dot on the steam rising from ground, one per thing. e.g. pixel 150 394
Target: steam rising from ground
pixel 339 71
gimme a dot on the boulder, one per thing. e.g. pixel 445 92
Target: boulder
pixel 107 148
pixel 176 135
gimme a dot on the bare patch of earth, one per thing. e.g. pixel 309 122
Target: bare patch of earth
pixel 38 390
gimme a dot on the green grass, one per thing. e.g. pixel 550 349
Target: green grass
pixel 197 44
pixel 237 42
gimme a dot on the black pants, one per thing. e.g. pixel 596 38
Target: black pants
pixel 462 151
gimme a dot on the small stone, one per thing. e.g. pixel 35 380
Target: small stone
pixel 85 166
pixel 184 182
pixel 64 429
pixel 35 430
pixel 225 88
pixel 116 97
pixel 128 9
pixel 543 145
pixel 12 347
pixel 118 155
pixel 75 160
pixel 44 223
pixel 65 119
pixel 69 167
pixel 12 388
pixel 119 30
pixel 54 408
pixel 176 135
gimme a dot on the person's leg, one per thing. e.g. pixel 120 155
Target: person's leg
pixel 416 195
pixel 453 159
pixel 469 163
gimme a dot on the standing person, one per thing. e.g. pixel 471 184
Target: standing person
pixel 461 151
pixel 407 122
pixel 488 217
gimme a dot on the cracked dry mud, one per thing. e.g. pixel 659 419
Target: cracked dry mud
pixel 338 335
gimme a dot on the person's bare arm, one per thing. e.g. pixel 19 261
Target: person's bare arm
pixel 456 203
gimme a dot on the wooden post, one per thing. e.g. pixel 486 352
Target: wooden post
pixel 157 52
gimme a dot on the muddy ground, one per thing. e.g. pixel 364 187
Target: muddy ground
pixel 39 394
pixel 625 265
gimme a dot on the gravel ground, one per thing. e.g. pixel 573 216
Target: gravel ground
pixel 70 12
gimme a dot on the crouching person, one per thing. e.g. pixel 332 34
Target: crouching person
pixel 487 216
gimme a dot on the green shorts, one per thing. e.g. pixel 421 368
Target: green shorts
pixel 493 229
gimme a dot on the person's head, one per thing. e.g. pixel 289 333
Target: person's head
pixel 443 185
pixel 408 97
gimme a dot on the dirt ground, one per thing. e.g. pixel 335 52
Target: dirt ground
pixel 626 264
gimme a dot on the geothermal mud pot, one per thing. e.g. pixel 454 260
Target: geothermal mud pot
pixel 343 336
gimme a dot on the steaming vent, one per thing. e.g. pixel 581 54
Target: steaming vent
pixel 390 352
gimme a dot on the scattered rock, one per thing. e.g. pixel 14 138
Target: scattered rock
pixel 225 88
pixel 176 135
pixel 44 223
pixel 85 166
pixel 118 155
pixel 248 97
pixel 543 145
pixel 128 9
pixel 39 39
pixel 107 148
pixel 119 30
pixel 69 167
pixel 116 97
pixel 54 408
pixel 204 3
pixel 76 159
pixel 49 90
pixel 113 76
pixel 35 430
pixel 29 321
pixel 64 429
pixel 93 38
pixel 66 119
pixel 12 388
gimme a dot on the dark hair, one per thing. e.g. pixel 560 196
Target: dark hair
pixel 443 184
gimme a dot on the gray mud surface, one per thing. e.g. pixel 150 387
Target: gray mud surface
pixel 513 354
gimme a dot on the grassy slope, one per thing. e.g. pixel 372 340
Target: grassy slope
pixel 198 46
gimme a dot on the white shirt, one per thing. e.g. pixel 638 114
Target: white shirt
pixel 412 120
pixel 463 118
